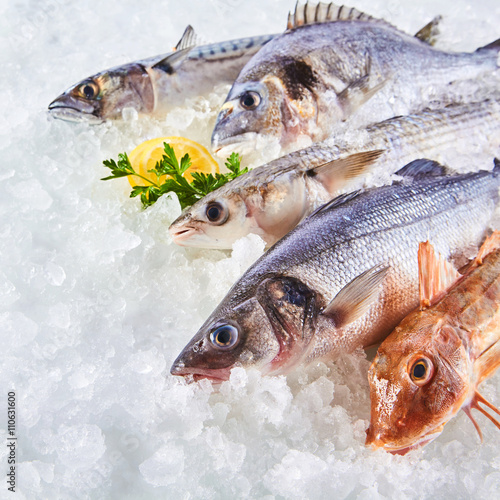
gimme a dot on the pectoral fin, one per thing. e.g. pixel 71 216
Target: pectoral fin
pixel 335 174
pixel 357 93
pixel 169 63
pixel 435 275
pixel 474 404
pixel 487 362
pixel 355 298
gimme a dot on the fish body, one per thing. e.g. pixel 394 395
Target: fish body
pixel 304 83
pixel 342 278
pixel 430 366
pixel 154 85
pixel 272 199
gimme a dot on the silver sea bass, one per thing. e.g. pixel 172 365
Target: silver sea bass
pixel 337 64
pixel 154 85
pixel 272 199
pixel 344 277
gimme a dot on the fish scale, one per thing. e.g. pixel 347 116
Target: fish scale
pixel 233 47
pixel 372 235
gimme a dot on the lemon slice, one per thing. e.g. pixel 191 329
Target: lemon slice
pixel 145 156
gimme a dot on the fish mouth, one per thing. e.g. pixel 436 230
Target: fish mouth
pixel 189 236
pixel 406 449
pixel 242 144
pixel 216 375
pixel 183 234
pixel 69 109
pixel 377 441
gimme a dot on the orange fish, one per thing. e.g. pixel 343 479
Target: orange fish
pixel 432 363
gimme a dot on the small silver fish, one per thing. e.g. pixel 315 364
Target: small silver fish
pixel 335 61
pixel 154 85
pixel 272 199
pixel 343 278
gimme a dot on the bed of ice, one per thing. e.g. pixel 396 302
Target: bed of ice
pixel 96 300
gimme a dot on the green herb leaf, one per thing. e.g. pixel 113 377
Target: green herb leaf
pixel 188 193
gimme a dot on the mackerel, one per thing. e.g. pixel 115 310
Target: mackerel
pixel 154 85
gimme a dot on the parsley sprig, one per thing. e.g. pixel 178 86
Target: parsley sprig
pixel 187 192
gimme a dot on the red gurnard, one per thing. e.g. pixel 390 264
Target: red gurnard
pixel 431 365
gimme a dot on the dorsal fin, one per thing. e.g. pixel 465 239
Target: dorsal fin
pixel 422 167
pixel 494 46
pixel 429 33
pixel 336 202
pixel 490 244
pixel 336 173
pixel 358 92
pixel 312 13
pixel 188 40
pixel 435 275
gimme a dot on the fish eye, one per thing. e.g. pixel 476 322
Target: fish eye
pixel 89 90
pixel 216 213
pixel 224 337
pixel 421 371
pixel 250 100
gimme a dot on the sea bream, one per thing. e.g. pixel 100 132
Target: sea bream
pixel 336 64
pixel 344 277
pixel 155 85
pixel 432 364
pixel 272 199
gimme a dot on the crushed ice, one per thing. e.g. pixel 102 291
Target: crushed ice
pixel 96 301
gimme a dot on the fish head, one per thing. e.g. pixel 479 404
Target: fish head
pixel 270 328
pixel 418 381
pixel 255 115
pixel 104 95
pixel 215 221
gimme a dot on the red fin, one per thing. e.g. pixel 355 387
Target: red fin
pixel 478 429
pixel 475 404
pixel 491 244
pixel 435 275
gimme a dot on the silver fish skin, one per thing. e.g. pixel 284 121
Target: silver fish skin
pixel 302 84
pixel 272 199
pixel 343 278
pixel 155 85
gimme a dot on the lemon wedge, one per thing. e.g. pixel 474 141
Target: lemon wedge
pixel 145 156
